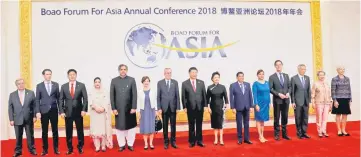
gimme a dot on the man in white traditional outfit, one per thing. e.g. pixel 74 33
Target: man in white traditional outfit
pixel 123 98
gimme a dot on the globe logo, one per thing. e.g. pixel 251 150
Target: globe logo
pixel 139 45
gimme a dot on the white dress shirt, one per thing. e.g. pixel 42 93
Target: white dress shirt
pixel 195 83
pixel 21 96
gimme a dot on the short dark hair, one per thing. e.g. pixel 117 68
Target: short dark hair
pixel 214 74
pixel 45 70
pixel 260 71
pixel 277 62
pixel 122 65
pixel 144 78
pixel 97 78
pixel 192 68
pixel 72 70
pixel 239 73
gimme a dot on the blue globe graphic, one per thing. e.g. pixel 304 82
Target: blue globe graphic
pixel 139 45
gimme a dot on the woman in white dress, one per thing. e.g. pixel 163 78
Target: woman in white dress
pixel 100 117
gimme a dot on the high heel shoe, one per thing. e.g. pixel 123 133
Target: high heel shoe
pixel 151 147
pixel 146 147
pixel 340 134
pixel 346 134
pixel 325 134
pixel 262 140
pixel 215 143
pixel 221 143
pixel 104 149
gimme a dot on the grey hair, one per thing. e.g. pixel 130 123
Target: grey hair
pixel 17 80
pixel 301 65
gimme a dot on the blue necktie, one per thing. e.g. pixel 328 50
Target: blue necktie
pixel 48 88
pixel 281 79
pixel 303 82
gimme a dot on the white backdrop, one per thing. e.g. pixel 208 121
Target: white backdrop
pixel 94 45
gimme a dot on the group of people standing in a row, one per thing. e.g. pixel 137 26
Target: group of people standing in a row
pixel 71 101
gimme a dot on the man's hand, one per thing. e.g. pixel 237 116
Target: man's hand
pixel 294 106
pixel 62 115
pixel 83 113
pixel 287 95
pixel 251 110
pixel 12 123
pixel 282 96
pixel 38 115
pixel 209 110
pixel 34 119
pixel 115 112
pixel 160 112
pixel 234 111
pixel 185 110
pixel 313 105
pixel 132 111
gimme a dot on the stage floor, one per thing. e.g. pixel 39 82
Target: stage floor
pixel 333 146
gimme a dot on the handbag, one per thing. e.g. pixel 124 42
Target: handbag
pixel 158 124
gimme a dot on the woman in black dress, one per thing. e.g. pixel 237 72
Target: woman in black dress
pixel 216 100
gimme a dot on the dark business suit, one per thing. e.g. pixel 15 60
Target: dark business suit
pixel 168 101
pixel 194 102
pixel 301 96
pixel 47 105
pixel 72 107
pixel 242 102
pixel 280 106
pixel 22 115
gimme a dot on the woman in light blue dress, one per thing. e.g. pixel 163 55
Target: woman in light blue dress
pixel 262 99
pixel 147 104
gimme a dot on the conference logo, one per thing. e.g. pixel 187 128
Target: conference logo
pixel 146 45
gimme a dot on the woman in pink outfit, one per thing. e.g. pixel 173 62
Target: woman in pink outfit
pixel 321 101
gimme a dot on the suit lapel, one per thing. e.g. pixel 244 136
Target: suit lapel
pixel 26 95
pixel 77 88
pixel 18 97
pixel 67 89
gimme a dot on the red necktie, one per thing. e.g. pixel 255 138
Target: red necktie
pixel 194 87
pixel 72 90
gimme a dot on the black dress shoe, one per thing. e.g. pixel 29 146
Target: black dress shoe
pixel 248 142
pixel 81 151
pixel 130 148
pixel 200 144
pixel 121 149
pixel 239 142
pixel 69 152
pixel 17 154
pixel 174 145
pixel 45 152
pixel 56 151
pixel 286 137
pixel 306 136
pixel 191 145
pixel 33 153
pixel 165 146
pixel 277 138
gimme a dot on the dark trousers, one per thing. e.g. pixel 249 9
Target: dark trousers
pixel 195 121
pixel 280 110
pixel 242 116
pixel 29 131
pixel 301 117
pixel 51 116
pixel 169 116
pixel 69 131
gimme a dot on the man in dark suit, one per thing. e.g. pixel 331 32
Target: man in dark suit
pixel 301 100
pixel 194 101
pixel 47 97
pixel 123 98
pixel 168 104
pixel 22 115
pixel 280 86
pixel 241 100
pixel 73 107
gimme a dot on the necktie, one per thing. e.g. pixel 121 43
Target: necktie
pixel 21 98
pixel 242 88
pixel 48 88
pixel 72 90
pixel 303 82
pixel 194 87
pixel 281 79
pixel 167 84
